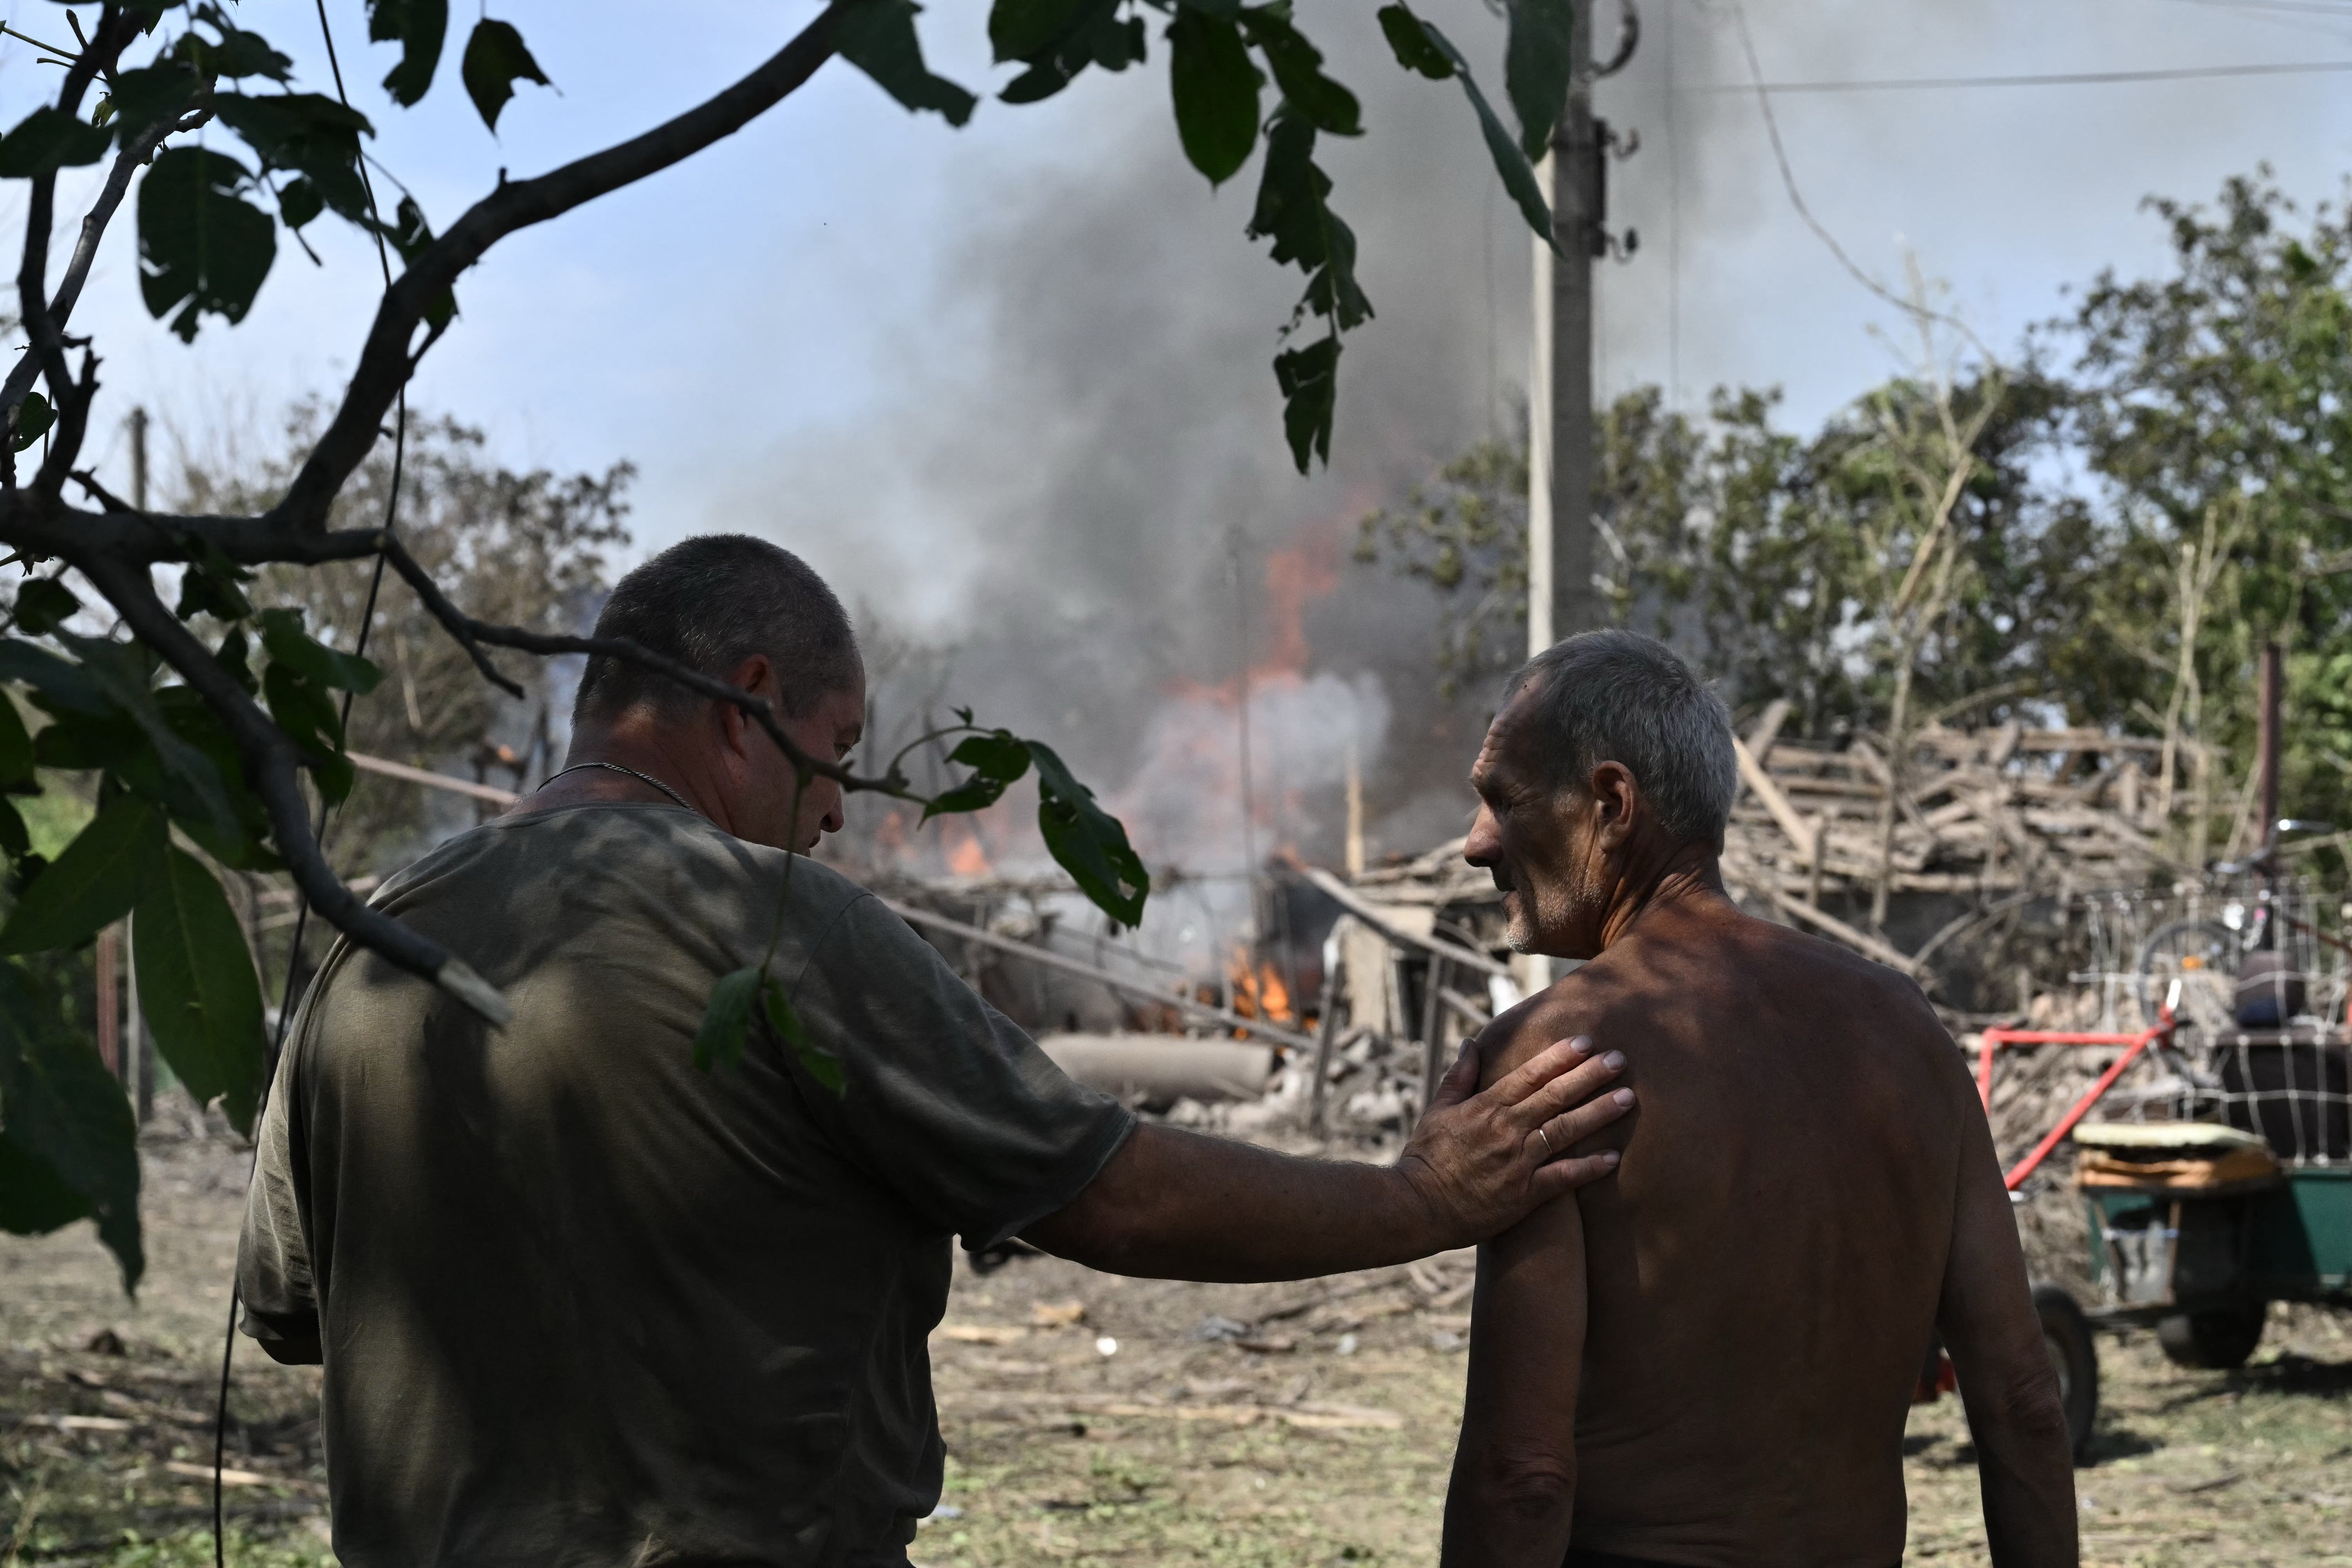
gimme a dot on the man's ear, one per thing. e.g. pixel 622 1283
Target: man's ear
pixel 1614 796
pixel 757 676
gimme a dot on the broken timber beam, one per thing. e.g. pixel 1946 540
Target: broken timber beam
pixel 1452 952
pixel 1051 960
pixel 1799 831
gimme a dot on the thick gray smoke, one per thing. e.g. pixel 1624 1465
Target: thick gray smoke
pixel 1067 515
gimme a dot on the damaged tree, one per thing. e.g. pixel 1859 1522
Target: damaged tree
pixel 202 716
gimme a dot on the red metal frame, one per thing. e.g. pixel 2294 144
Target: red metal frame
pixel 1995 1040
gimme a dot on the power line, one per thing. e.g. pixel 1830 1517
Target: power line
pixel 2065 78
pixel 1763 92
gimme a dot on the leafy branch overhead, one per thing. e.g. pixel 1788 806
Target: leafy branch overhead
pixel 210 732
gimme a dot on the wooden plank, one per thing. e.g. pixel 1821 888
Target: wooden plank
pixel 1799 832
pixel 407 774
pixel 1766 729
pixel 1348 899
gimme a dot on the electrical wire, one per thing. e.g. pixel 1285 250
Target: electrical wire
pixel 319 830
pixel 1764 91
pixel 2057 78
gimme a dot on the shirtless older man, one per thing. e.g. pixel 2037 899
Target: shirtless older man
pixel 1710 1361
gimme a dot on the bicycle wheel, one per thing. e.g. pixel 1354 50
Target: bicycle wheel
pixel 2201 955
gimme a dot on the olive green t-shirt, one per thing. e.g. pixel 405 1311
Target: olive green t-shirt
pixel 583 1303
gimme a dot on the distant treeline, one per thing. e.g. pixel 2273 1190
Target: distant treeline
pixel 2102 527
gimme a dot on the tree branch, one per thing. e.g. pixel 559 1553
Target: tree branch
pixel 115 30
pixel 385 362
pixel 470 634
pixel 93 230
pixel 272 767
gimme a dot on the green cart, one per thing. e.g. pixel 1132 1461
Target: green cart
pixel 2229 1190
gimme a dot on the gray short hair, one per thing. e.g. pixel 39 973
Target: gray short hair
pixel 1618 696
pixel 712 601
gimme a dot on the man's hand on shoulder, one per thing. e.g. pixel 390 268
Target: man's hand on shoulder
pixel 1482 1162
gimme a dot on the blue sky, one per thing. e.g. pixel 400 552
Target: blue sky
pixel 828 326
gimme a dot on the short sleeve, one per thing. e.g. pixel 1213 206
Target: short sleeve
pixel 947 1102
pixel 273 1257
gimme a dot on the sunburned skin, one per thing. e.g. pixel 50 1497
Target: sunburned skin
pixel 1709 1359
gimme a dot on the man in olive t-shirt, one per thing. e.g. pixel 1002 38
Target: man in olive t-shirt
pixel 579 1301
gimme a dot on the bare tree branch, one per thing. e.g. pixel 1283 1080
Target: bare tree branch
pixel 385 362
pixel 470 634
pixel 115 30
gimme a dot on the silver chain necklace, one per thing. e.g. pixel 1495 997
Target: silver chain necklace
pixel 642 778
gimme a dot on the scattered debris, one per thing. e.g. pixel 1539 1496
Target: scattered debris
pixel 1057 1314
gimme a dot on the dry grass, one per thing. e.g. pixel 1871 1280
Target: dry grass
pixel 1327 1442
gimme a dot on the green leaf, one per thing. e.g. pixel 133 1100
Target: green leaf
pixel 42 602
pixel 1412 45
pixel 49 140
pixel 200 244
pixel 60 1106
pixel 1088 841
pixel 15 746
pixel 1309 379
pixel 148 95
pixel 419 27
pixel 996 759
pixel 183 779
pixel 1535 69
pixel 1024 29
pixel 33 417
pixel 34 1199
pixel 298 202
pixel 197 988
pixel 1298 72
pixel 96 881
pixel 237 54
pixel 307 715
pixel 495 61
pixel 16 839
pixel 191 719
pixel 306 133
pixel 235 655
pixel 409 234
pixel 77 742
pixel 1216 92
pixel 816 1061
pixel 726 1020
pixel 878 38
pixel 1290 193
pixel 215 586
pixel 1510 162
pixel 59 686
pixel 283 637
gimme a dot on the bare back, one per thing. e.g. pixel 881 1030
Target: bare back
pixel 1764 1275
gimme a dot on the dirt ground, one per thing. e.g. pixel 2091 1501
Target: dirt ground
pixel 1089 1420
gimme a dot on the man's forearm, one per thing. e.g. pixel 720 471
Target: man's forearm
pixel 1173 1204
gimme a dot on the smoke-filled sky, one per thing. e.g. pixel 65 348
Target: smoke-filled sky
pixel 1009 387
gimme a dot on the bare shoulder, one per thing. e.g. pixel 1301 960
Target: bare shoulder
pixel 1576 1003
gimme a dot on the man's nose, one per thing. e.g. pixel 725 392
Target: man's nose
pixel 1484 844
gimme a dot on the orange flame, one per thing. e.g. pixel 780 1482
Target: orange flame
pixel 965 857
pixel 1259 993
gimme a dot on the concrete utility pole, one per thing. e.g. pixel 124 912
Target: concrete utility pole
pixel 1560 381
pixel 1574 179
